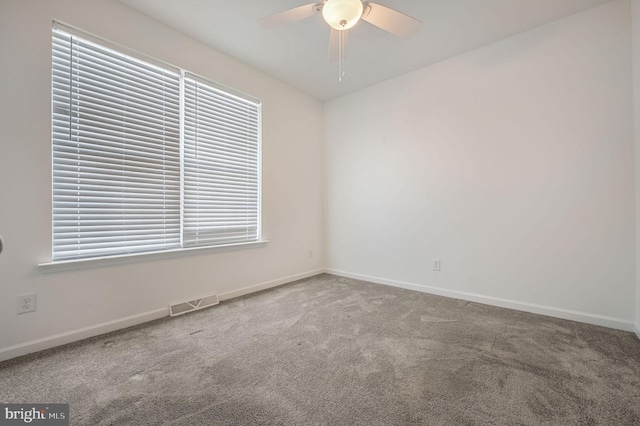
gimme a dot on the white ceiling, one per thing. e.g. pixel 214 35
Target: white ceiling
pixel 298 53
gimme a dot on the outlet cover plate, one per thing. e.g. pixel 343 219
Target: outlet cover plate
pixel 25 303
pixel 435 264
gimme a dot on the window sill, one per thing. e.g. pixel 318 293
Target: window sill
pixel 69 265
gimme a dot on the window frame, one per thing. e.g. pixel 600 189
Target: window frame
pixel 124 256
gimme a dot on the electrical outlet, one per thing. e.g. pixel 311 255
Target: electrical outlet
pixel 435 264
pixel 25 303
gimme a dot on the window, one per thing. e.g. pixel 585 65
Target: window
pixel 147 157
pixel 220 199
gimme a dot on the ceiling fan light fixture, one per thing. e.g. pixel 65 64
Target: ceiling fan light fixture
pixel 342 14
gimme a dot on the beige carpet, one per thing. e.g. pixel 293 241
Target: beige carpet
pixel 335 351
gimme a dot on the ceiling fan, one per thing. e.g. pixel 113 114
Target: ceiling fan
pixel 341 15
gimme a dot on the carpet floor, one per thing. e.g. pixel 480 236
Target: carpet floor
pixel 336 351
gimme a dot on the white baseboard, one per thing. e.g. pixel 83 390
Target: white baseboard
pixel 79 334
pixel 95 330
pixel 268 284
pixel 594 319
pixel 637 329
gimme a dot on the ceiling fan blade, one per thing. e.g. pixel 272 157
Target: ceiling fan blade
pixel 334 44
pixel 288 16
pixel 390 20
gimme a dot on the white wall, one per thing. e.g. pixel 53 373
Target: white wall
pixel 513 164
pixel 79 303
pixel 635 5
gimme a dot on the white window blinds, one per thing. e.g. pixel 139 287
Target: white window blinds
pixel 221 158
pixel 123 180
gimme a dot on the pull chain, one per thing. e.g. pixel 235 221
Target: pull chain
pixel 341 51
